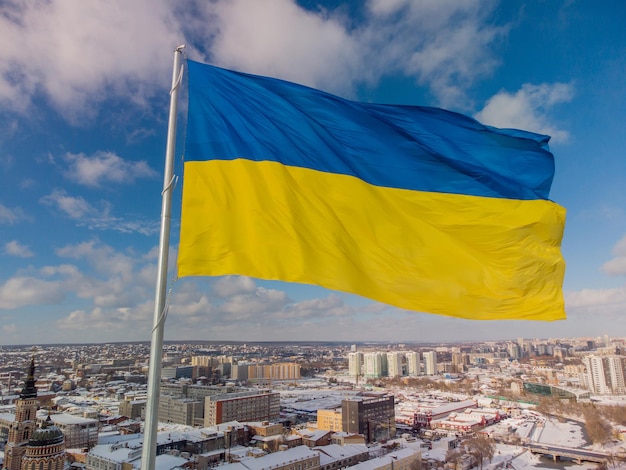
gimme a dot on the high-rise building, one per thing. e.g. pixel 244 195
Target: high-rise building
pixel 413 363
pixel 616 374
pixel 383 360
pixel 204 361
pixel 514 351
pixel 430 362
pixel 277 371
pixel 373 364
pixel 459 361
pixel 239 371
pixel 394 364
pixel 355 363
pixel 604 375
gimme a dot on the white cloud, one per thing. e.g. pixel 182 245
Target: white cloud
pixel 232 285
pixel 105 167
pixel 236 307
pixel 596 297
pixel 528 109
pixel 75 51
pixel 85 214
pixel 444 45
pixel 15 248
pixel 74 207
pixel 246 306
pixel 10 215
pixel 317 309
pixel 386 7
pixel 115 279
pixel 127 324
pixel 620 247
pixel 20 291
pixel 138 225
pixel 617 265
pixel 106 278
pixel 279 38
pixel 101 257
pixel 77 54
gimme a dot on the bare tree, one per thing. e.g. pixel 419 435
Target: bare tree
pixel 417 463
pixel 454 456
pixel 596 426
pixel 481 448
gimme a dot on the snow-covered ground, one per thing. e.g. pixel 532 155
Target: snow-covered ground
pixel 547 431
pixel 552 431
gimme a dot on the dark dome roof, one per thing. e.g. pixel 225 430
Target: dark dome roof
pixel 48 434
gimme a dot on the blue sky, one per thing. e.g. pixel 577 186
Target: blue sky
pixel 83 120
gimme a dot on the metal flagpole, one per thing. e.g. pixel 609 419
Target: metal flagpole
pixel 156 346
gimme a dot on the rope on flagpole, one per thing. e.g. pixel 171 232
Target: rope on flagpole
pixel 173 181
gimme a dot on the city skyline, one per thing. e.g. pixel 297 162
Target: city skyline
pixel 84 93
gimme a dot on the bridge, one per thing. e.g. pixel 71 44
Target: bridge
pixel 579 455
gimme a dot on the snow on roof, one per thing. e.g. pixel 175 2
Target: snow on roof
pixel 314 435
pixel 64 418
pixel 337 452
pixel 113 453
pixel 387 459
pixel 460 420
pixel 234 466
pixel 109 439
pixel 167 462
pixel 278 459
pixel 8 417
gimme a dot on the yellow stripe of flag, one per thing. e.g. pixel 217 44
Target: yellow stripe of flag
pixel 465 256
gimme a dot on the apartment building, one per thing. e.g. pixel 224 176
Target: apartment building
pixel 604 375
pixel 255 405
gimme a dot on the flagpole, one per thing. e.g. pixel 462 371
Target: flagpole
pixel 156 345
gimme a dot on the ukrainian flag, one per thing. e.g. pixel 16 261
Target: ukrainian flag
pixel 416 207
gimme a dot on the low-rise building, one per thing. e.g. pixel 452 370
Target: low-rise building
pixel 335 456
pixel 298 458
pixel 330 420
pixel 403 459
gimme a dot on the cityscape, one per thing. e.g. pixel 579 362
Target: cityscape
pixel 406 247
pixel 319 405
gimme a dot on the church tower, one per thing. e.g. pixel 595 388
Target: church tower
pixel 22 429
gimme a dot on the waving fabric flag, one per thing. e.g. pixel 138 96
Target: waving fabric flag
pixel 416 207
